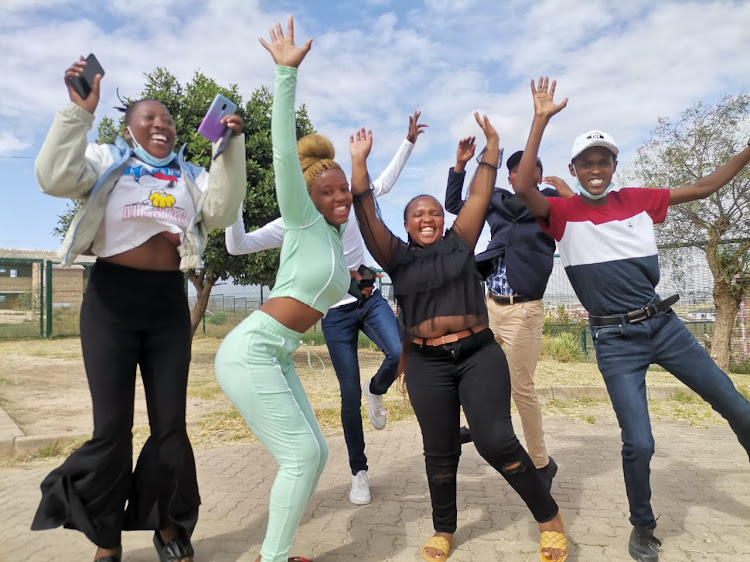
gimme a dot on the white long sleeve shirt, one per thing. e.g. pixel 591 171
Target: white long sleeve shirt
pixel 271 235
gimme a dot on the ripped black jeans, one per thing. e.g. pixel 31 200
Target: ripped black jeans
pixel 472 373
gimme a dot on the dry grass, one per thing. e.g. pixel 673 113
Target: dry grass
pixel 213 421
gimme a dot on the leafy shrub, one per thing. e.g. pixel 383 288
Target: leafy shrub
pixel 217 318
pixel 564 347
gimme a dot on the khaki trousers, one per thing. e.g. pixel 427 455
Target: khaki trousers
pixel 518 328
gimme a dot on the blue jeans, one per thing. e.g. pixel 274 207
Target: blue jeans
pixel 624 354
pixel 341 328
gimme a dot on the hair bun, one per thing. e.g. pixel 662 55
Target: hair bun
pixel 315 156
pixel 314 148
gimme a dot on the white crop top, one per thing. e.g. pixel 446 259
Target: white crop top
pixel 144 202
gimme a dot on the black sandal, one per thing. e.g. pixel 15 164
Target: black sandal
pixel 176 549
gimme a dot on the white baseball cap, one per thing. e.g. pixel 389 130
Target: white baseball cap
pixel 593 138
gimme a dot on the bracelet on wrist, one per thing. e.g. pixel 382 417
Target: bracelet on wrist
pixel 363 194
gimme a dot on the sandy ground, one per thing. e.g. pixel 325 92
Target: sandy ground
pixel 49 394
pixel 43 387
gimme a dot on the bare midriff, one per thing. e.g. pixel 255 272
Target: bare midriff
pixel 158 253
pixel 291 313
pixel 443 325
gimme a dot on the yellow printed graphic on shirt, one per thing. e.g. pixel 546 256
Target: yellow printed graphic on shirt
pixel 161 199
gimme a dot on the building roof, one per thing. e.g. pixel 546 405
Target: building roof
pixel 8 254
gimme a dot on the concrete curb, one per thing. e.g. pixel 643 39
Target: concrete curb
pixel 15 444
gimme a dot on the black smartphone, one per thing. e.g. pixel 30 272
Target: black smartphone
pixel 82 84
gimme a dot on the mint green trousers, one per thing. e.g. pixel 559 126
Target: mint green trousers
pixel 255 369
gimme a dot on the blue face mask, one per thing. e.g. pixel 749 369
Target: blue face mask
pixel 578 188
pixel 141 153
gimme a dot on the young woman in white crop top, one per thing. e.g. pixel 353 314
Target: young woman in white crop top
pixel 145 215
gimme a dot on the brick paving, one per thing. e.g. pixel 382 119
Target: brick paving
pixel 701 482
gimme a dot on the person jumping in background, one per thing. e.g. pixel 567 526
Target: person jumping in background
pixel 516 267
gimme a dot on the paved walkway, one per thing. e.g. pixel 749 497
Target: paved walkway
pixel 701 481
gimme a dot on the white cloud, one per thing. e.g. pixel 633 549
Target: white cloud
pixel 11 145
pixel 622 64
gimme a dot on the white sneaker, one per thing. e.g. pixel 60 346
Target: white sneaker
pixel 360 493
pixel 375 407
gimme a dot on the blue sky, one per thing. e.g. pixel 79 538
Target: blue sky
pixel 622 64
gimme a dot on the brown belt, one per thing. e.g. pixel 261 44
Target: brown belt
pixel 449 338
pixel 501 299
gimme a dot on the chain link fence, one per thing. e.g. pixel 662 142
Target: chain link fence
pixel 41 298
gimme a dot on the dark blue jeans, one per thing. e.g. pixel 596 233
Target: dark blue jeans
pixel 624 354
pixel 341 328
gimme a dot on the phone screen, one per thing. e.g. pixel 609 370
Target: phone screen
pixel 82 84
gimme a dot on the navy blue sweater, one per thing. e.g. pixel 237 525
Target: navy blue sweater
pixel 516 237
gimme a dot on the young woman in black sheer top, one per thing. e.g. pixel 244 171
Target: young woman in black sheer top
pixel 452 359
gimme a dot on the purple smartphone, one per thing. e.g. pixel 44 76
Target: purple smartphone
pixel 211 127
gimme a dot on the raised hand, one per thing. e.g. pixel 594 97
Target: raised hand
pixel 74 71
pixel 282 49
pixel 559 184
pixel 489 131
pixel 544 105
pixel 234 122
pixel 360 144
pixel 415 127
pixel 465 151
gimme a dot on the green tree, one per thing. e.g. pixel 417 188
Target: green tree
pixel 187 104
pixel 681 152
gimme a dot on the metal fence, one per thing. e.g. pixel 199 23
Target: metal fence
pixel 41 298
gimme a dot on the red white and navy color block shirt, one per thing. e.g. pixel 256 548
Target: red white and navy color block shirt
pixel 609 251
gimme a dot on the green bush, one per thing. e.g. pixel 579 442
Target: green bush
pixel 217 318
pixel 564 347
pixel 742 368
pixel 26 301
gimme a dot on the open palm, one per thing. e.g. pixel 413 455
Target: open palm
pixel 282 49
pixel 544 93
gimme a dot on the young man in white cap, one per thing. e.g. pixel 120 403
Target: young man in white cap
pixel 607 244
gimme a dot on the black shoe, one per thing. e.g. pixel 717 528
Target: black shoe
pixel 116 557
pixel 465 434
pixel 548 472
pixel 644 546
pixel 176 549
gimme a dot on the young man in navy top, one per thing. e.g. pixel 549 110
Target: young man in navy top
pixel 516 266
pixel 608 247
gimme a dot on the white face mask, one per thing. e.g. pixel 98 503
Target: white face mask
pixel 147 157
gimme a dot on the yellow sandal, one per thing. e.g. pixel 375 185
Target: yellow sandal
pixel 553 539
pixel 438 543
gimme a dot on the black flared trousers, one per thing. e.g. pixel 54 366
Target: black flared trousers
pixel 129 318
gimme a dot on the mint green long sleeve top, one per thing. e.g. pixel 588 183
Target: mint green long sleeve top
pixel 312 269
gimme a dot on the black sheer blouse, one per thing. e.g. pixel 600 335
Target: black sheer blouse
pixel 437 287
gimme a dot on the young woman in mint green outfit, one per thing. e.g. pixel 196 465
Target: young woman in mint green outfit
pixel 254 363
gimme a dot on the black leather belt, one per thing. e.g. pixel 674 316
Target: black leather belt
pixel 636 315
pixel 502 299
